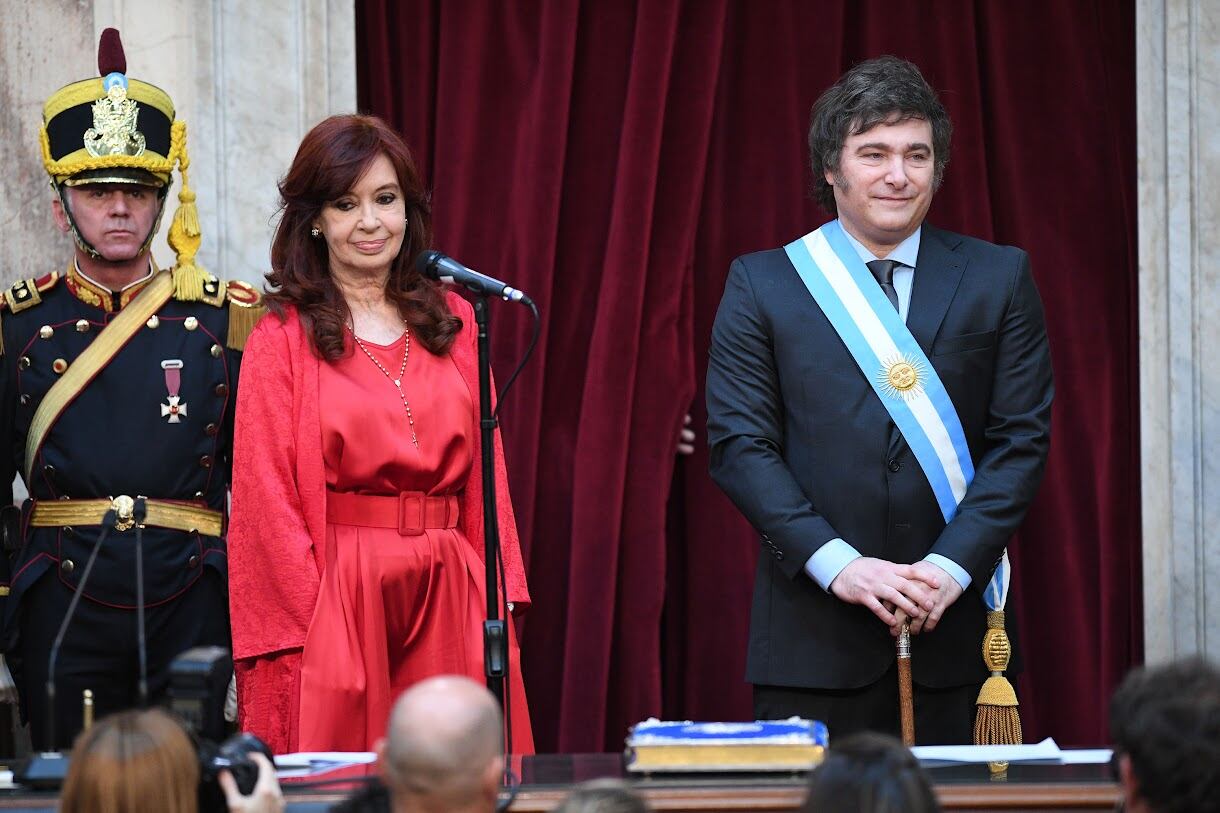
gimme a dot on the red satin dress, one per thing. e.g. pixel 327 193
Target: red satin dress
pixel 393 609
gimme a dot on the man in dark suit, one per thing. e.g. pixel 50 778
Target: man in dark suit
pixel 812 447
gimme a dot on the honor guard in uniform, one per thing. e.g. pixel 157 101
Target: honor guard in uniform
pixel 117 390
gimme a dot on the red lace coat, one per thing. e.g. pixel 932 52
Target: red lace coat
pixel 277 530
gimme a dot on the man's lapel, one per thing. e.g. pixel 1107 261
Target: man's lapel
pixel 938 272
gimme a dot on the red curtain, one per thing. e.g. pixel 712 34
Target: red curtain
pixel 611 158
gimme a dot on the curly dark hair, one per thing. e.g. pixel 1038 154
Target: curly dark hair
pixel 329 162
pixel 1166 719
pixel 882 90
pixel 870 773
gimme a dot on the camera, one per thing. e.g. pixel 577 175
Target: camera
pixel 199 680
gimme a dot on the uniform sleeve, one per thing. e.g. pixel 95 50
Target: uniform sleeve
pixel 745 429
pixel 10 525
pixel 1017 437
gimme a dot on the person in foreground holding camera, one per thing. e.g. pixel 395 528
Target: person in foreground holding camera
pixel 1165 723
pixel 870 773
pixel 138 761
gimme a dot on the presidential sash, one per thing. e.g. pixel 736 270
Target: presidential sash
pixel 896 367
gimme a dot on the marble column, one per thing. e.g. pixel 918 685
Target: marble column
pixel 1178 62
pixel 249 79
pixel 44 44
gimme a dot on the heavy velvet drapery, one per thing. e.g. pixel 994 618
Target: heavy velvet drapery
pixel 611 158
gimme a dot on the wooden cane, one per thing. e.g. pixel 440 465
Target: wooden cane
pixel 906 703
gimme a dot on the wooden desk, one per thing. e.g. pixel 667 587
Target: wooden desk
pixel 546 780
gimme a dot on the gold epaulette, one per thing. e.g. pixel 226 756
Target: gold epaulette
pixel 27 293
pixel 245 309
pixel 193 284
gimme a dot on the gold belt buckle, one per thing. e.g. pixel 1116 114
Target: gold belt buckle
pixel 124 509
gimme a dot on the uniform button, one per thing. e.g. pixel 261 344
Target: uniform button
pixel 48 470
pixel 211 430
pixel 222 390
pixel 67 566
pixel 779 555
pixel 193 561
pixel 24 399
pixel 82 325
pixel 895 465
pixel 24 362
pixel 190 323
pixel 216 351
pixel 59 366
pixel 46 331
pixel 199 495
pixel 206 461
pixel 153 322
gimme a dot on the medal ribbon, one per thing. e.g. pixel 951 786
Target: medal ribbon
pixel 173 376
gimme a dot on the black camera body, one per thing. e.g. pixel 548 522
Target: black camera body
pixel 198 684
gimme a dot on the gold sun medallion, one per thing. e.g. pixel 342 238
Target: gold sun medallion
pixel 901 377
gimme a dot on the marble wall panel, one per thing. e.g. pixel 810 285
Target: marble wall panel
pixel 248 78
pixel 1178 53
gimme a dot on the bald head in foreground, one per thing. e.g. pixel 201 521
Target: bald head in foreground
pixel 444 747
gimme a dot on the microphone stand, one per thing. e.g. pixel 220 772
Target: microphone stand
pixel 495 630
pixel 48 768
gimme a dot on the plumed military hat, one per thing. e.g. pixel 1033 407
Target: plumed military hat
pixel 115 129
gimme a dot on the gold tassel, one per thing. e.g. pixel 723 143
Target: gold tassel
pixel 998 722
pixel 184 233
pixel 241 322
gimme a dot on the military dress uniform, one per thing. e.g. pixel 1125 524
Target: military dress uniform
pixel 138 447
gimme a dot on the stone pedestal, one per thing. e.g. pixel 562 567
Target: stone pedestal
pixel 1178 60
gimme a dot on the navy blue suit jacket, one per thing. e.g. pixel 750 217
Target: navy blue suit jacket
pixel 806 450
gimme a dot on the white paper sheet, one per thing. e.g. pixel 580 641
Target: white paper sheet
pixel 1045 751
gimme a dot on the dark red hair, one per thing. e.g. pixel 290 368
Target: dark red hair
pixel 330 160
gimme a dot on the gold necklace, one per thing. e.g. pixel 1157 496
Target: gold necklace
pixel 397 382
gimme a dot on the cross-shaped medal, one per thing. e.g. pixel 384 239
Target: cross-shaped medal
pixel 175 410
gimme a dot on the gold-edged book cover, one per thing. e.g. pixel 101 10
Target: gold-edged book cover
pixel 764 745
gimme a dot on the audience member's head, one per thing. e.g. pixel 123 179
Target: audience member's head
pixel 603 796
pixel 1165 722
pixel 130 762
pixel 443 748
pixel 870 773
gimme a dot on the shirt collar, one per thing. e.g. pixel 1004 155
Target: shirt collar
pixel 906 252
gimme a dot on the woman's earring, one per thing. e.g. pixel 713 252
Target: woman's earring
pixel 314 232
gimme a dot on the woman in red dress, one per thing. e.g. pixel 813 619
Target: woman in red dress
pixel 356 541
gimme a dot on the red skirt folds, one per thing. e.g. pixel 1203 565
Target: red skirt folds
pixel 393 608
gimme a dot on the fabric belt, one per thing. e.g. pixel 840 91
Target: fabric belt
pixel 409 513
pixel 179 516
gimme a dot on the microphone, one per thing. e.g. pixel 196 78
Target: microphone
pixel 437 266
pixel 49 768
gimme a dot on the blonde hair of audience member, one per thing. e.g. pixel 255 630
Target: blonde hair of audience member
pixel 444 747
pixel 603 796
pixel 130 762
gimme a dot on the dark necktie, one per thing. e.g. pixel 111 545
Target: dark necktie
pixel 883 270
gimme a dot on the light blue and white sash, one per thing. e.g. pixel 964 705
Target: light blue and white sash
pixel 896 367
